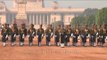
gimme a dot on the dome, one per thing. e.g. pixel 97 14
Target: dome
pixel 2 5
pixel 21 1
pixel 35 0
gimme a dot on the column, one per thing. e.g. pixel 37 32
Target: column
pixel 41 18
pixel 48 19
pixel 30 19
pixel 10 19
pixel 33 19
pixel 62 19
pixel 38 19
pixel 44 19
pixel 51 19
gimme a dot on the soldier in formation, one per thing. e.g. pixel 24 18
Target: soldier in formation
pixel 49 34
pixel 14 33
pixel 62 35
pixel 40 35
pixel 76 35
pixel 22 34
pixel 104 36
pixel 57 35
pixel 84 34
pixel 93 35
pixel 68 34
pixel 31 34
pixel 5 32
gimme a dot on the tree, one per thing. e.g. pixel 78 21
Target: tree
pixel 87 17
pixel 101 16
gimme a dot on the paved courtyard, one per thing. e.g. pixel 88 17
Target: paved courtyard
pixel 51 52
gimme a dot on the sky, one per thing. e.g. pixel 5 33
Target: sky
pixel 72 3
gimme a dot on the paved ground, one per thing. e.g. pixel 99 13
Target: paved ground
pixel 52 52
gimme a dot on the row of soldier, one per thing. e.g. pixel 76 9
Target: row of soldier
pixel 62 36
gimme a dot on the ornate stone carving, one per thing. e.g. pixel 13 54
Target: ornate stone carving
pixel 21 16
